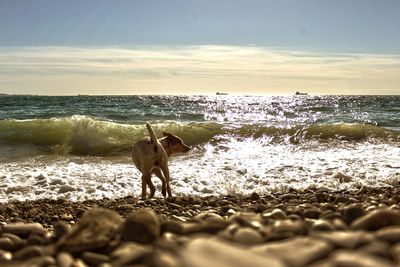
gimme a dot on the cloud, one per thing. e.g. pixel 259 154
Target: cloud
pixel 203 64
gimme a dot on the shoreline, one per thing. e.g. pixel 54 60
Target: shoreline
pixel 50 211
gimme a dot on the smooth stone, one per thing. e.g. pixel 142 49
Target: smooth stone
pixel 64 259
pixel 311 213
pixel 141 226
pixel 298 251
pixel 41 261
pixel 29 252
pixel 390 234
pixel 16 240
pixel 7 244
pixel 183 228
pixel 164 259
pixel 276 214
pixel 395 252
pixel 377 219
pixel 344 239
pixel 247 219
pixel 5 255
pixel 94 259
pixel 377 248
pixel 129 253
pixel 96 229
pixel 352 212
pixel 208 216
pixel 296 227
pixel 24 229
pixel 61 229
pixel 322 226
pixel 247 236
pixel 208 252
pixel 358 259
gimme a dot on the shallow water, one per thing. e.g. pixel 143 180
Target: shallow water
pixel 78 147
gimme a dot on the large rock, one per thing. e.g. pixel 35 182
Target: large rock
pixel 141 226
pixel 96 229
pixel 299 251
pixel 205 252
pixel 377 219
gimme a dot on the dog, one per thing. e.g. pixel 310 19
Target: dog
pixel 150 156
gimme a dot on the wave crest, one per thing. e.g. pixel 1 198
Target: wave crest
pixel 83 135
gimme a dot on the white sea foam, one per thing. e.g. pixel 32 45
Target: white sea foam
pixel 228 167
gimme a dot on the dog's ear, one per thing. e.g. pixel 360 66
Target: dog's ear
pixel 166 134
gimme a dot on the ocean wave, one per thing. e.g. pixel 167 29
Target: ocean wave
pixel 84 135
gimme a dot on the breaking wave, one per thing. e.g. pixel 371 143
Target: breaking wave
pixel 83 135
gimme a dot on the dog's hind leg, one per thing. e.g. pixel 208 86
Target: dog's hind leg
pixel 151 186
pixel 158 173
pixel 145 179
pixel 165 171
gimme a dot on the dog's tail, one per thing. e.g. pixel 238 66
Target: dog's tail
pixel 153 136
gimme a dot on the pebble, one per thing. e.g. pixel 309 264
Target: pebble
pixel 357 259
pixel 298 251
pixel 377 219
pixel 390 234
pixel 207 252
pixel 352 212
pixel 141 226
pixel 94 259
pixel 24 229
pixel 96 229
pixel 227 231
pixel 247 236
pixel 345 239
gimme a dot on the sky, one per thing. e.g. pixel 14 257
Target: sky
pixel 59 47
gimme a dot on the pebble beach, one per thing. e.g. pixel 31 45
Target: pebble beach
pixel 296 228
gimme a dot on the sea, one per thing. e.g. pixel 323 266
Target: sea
pixel 79 147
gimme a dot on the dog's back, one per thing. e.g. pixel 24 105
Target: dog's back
pixel 148 151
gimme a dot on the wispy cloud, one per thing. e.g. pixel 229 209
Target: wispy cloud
pixel 251 65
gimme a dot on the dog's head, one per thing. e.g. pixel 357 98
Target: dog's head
pixel 175 144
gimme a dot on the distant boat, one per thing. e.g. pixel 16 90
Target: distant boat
pixel 219 93
pixel 299 93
